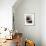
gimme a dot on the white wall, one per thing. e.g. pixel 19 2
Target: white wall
pixel 6 13
pixel 43 22
pixel 31 32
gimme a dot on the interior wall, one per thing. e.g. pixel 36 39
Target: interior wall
pixel 6 13
pixel 29 32
pixel 43 22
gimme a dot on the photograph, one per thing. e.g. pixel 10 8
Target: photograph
pixel 29 19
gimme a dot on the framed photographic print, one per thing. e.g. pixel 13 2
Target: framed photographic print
pixel 29 19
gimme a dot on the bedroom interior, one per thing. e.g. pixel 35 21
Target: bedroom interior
pixel 22 23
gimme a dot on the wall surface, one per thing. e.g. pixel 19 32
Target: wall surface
pixel 6 13
pixel 43 22
pixel 29 32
